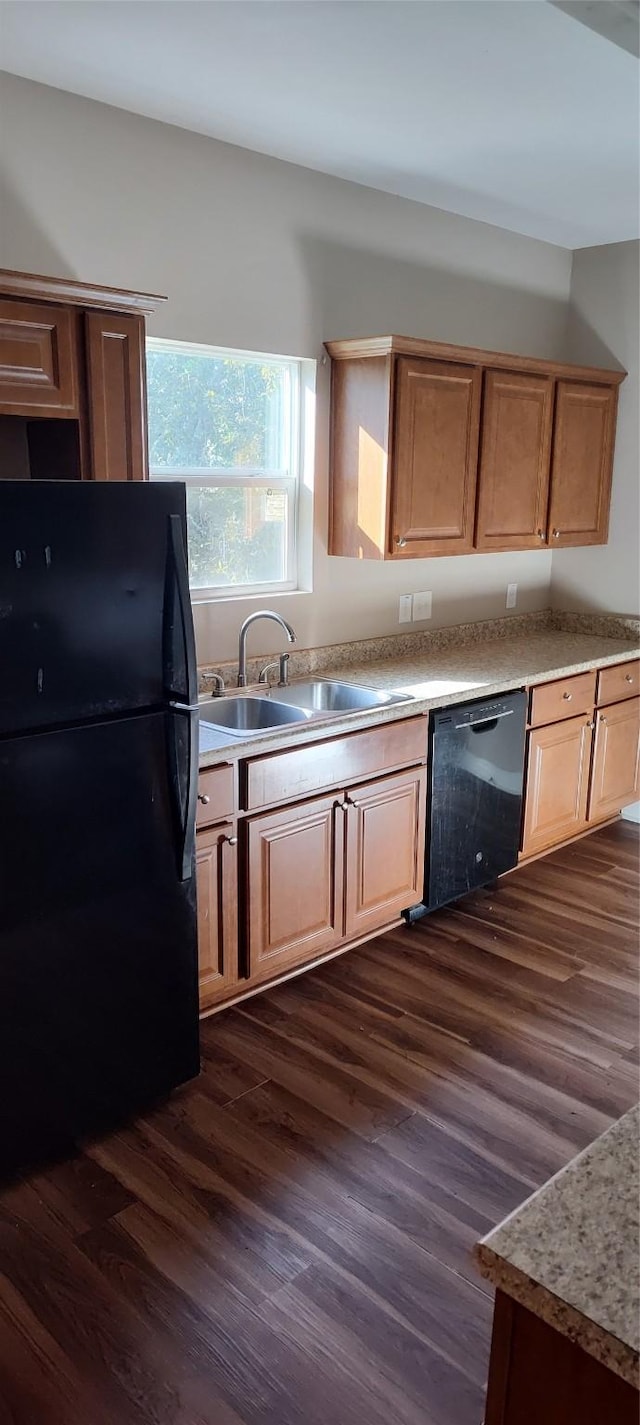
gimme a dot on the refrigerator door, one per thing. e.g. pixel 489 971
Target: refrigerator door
pixel 98 953
pixel 94 601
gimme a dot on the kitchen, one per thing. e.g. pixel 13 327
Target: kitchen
pixel 318 1194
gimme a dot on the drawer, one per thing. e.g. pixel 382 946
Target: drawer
pixel 551 702
pixel 285 776
pixel 621 681
pixel 216 794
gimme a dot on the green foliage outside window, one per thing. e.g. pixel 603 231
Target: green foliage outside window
pixel 210 412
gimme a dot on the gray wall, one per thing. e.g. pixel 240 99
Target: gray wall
pixel 603 329
pixel 260 254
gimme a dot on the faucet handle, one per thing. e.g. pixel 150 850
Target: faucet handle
pixel 283 681
pixel 218 689
pixel 263 676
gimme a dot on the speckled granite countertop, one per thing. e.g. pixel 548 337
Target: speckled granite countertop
pixel 571 1253
pixel 455 674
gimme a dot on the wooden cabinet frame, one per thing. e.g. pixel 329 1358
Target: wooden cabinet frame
pixel 72 365
pixel 331 870
pixel 580 770
pixel 615 770
pixel 543 470
pixel 217 906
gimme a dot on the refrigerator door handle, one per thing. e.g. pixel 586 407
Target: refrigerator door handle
pixel 188 835
pixel 182 746
pixel 178 611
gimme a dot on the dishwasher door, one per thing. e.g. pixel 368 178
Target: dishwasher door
pixel 475 809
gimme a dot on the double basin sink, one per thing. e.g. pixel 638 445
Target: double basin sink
pixel 247 715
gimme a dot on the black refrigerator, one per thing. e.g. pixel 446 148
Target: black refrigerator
pixel 98 789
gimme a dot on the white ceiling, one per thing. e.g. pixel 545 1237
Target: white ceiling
pixel 511 111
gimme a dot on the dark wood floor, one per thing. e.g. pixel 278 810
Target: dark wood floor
pixel 288 1241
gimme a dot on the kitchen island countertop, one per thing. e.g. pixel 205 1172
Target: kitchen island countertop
pixel 570 1254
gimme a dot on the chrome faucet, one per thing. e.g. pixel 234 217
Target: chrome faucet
pixel 242 646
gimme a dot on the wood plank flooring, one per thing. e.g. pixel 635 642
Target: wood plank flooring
pixel 287 1242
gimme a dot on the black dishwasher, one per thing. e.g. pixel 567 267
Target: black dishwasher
pixel 475 797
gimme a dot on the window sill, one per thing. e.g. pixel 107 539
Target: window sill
pixel 270 596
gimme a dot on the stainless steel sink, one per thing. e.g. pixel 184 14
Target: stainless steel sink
pixel 247 714
pixel 322 695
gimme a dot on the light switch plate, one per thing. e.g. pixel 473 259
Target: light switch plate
pixel 422 606
pixel 405 608
pixel 512 595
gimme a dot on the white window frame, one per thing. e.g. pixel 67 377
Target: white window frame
pixel 247 477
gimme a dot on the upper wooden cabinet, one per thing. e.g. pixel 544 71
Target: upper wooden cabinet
pixel 116 387
pixel 582 463
pixel 437 418
pixel 72 380
pixel 38 360
pixel 513 486
pixel 409 476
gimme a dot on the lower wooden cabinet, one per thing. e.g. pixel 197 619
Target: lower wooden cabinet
pixel 615 776
pixel 580 770
pixel 557 785
pixel 538 1376
pixel 385 850
pixel 295 861
pixel 333 869
pixel 217 893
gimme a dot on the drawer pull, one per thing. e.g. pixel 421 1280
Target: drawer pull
pixel 567 697
pixel 202 797
pixel 231 840
pixel 628 677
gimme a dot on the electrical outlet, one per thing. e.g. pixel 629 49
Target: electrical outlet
pixel 512 595
pixel 405 608
pixel 422 606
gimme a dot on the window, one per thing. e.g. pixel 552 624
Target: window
pixel 228 423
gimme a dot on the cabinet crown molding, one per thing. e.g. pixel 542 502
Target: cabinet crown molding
pixel 67 292
pixel 358 348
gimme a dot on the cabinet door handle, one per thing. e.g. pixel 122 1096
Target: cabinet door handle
pixel 349 802
pixel 590 724
pixel 628 677
pixel 231 840
pixel 540 533
pixel 567 697
pixel 602 717
pixel 556 533
pixel 202 797
pixel 400 541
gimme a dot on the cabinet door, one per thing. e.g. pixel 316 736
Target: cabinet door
pixel 385 850
pixel 38 360
pixel 217 892
pixel 513 479
pixel 295 889
pixel 615 778
pixel 117 404
pixel 557 783
pixel 435 458
pixel 581 463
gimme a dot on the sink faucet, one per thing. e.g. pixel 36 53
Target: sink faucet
pixel 242 646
